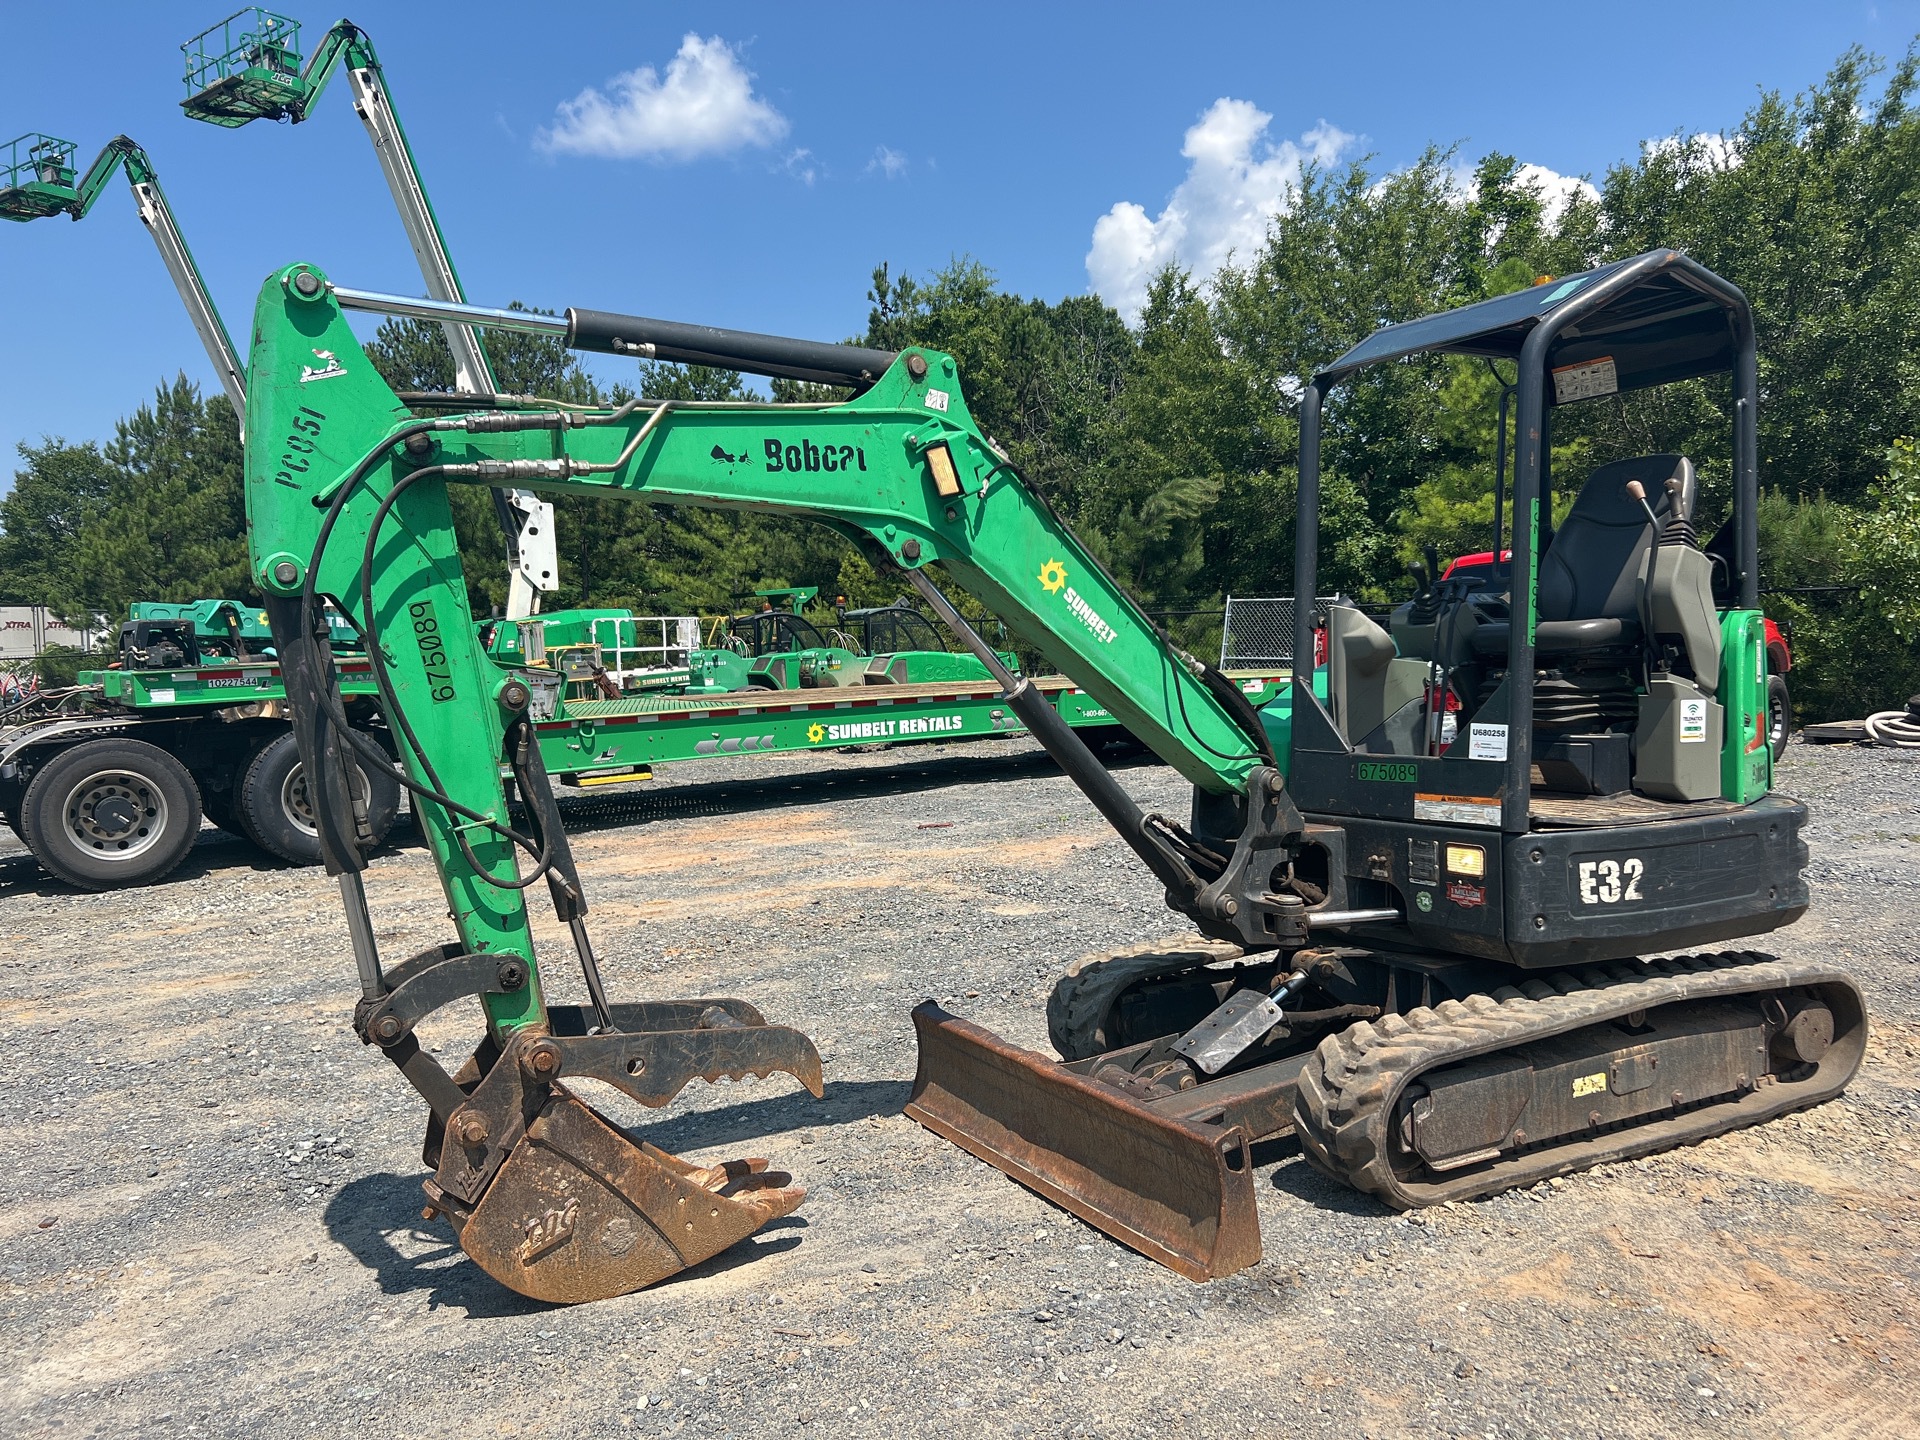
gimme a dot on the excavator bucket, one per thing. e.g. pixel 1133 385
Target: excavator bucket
pixel 581 1211
pixel 557 1203
pixel 1177 1190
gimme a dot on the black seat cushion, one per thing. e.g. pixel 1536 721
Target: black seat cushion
pixel 1561 637
pixel 1592 569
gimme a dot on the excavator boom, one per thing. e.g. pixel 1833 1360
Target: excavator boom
pixel 347 498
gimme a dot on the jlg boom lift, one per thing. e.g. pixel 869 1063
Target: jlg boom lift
pixel 1429 968
pixel 40 180
pixel 248 67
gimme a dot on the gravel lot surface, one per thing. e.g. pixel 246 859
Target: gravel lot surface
pixel 208 1210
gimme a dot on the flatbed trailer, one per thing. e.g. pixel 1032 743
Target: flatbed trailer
pixel 107 783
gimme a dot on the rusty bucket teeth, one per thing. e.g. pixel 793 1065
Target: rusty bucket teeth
pixel 580 1211
pixel 1178 1191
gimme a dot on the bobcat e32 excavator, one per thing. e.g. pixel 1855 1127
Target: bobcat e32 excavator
pixel 1420 959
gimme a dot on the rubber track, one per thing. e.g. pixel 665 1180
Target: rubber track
pixel 1082 999
pixel 1345 1102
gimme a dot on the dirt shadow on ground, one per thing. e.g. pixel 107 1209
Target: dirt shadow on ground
pixel 213 853
pixel 365 1216
pixel 845 1103
pixel 1299 1179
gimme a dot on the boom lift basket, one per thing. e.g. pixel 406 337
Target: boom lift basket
pixel 245 68
pixel 37 178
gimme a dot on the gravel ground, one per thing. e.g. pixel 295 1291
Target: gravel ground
pixel 208 1215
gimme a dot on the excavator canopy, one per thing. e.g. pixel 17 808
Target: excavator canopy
pixel 1673 322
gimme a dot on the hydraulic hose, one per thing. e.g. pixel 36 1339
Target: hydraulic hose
pixel 330 705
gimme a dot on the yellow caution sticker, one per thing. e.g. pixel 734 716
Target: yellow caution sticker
pixel 1590 1084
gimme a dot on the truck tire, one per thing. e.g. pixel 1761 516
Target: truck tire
pixel 109 813
pixel 272 806
pixel 12 792
pixel 1779 715
pixel 216 801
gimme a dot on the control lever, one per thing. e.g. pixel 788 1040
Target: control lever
pixel 1639 492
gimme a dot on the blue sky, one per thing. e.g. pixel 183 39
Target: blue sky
pixel 767 163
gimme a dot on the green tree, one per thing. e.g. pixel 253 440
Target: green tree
pixel 1184 432
pixel 172 525
pixel 1808 206
pixel 55 492
pixel 1355 251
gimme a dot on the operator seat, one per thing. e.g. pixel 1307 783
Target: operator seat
pixel 1592 573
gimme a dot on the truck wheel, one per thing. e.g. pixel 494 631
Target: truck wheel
pixel 1779 715
pixel 216 802
pixel 12 792
pixel 274 807
pixel 107 813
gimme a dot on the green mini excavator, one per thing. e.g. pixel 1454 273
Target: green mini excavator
pixel 1417 950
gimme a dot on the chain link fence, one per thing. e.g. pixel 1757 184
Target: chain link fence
pixel 1195 631
pixel 1256 632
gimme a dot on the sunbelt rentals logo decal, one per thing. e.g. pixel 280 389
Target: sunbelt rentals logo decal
pixel 865 732
pixel 1053 580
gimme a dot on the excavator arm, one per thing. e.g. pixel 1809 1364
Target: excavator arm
pixel 347 498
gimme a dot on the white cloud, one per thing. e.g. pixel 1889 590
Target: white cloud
pixel 801 165
pixel 1710 149
pixel 1556 191
pixel 1237 180
pixel 704 106
pixel 887 162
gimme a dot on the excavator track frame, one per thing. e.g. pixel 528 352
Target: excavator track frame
pixel 1346 1098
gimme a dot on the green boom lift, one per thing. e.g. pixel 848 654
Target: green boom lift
pixel 1435 980
pixel 248 67
pixel 40 181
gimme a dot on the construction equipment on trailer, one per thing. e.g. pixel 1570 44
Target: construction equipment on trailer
pixel 202 724
pixel 605 653
pixel 887 645
pixel 1430 958
pixel 248 67
pixel 217 629
pixel 902 648
pixel 45 183
pixel 786 651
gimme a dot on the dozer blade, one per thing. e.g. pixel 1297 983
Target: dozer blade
pixel 1178 1191
pixel 580 1211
